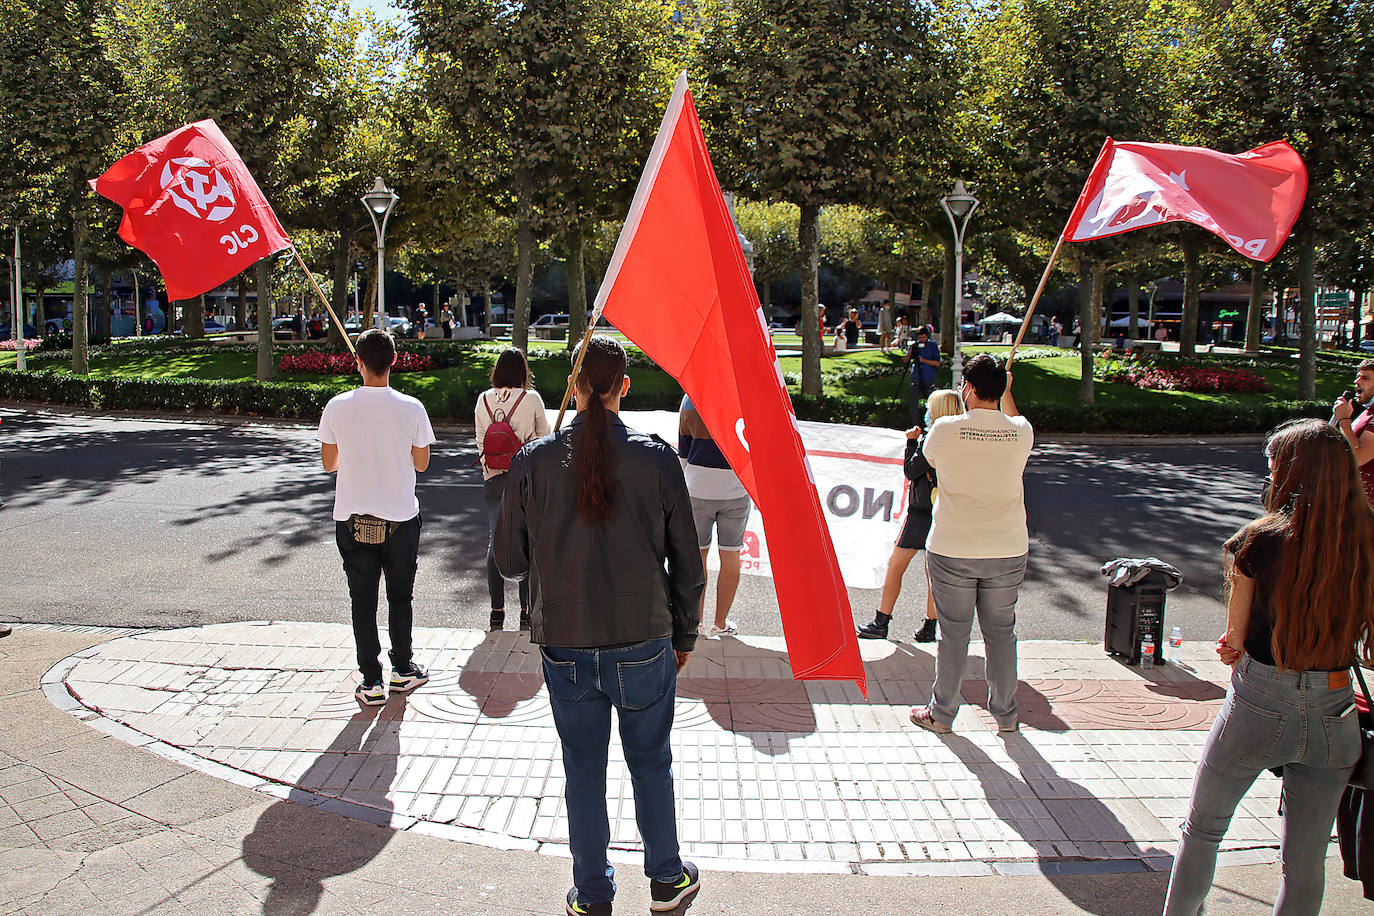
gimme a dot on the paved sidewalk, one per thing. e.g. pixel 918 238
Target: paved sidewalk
pixel 265 783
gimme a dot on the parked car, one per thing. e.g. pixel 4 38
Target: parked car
pixel 1367 345
pixel 57 325
pixel 214 327
pixel 401 327
pixel 560 320
pixel 7 331
pixel 282 328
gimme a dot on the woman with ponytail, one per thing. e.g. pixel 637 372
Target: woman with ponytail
pixel 598 518
pixel 1300 613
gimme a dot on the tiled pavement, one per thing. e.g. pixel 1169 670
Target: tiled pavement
pixel 772 775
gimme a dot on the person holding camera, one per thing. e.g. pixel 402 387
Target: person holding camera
pixel 978 545
pixel 1299 615
pixel 599 518
pixel 376 440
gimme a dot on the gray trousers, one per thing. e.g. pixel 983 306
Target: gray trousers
pixel 962 588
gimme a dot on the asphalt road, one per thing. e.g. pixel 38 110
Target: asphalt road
pixel 160 523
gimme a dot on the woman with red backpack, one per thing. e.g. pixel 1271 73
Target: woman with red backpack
pixel 509 414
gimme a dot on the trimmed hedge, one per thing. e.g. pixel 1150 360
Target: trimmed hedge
pixel 282 399
pixel 274 399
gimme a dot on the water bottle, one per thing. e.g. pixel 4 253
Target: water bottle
pixel 1175 642
pixel 1147 652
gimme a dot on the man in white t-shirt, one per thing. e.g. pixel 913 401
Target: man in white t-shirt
pixel 978 544
pixel 377 439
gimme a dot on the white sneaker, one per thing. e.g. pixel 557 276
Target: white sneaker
pixel 711 631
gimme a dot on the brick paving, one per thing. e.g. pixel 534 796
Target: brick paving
pixel 772 774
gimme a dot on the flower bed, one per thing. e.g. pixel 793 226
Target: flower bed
pixel 335 363
pixel 1161 378
pixel 8 344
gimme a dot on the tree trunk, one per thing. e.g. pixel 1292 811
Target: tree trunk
pixel 524 266
pixel 1086 391
pixel 767 289
pixel 1307 314
pixel 80 329
pixel 266 369
pixel 1252 315
pixel 338 295
pixel 1133 305
pixel 486 304
pixel 808 239
pixel 241 302
pixel 1192 277
pixel 369 294
pixel 194 322
pixel 1099 273
pixel 577 284
pixel 950 314
pixel 926 314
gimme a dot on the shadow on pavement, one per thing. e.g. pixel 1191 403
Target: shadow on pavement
pixel 1068 804
pixel 483 677
pixel 299 848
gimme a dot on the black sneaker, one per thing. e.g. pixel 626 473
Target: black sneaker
pixel 664 896
pixel 877 629
pixel 5 630
pixel 586 909
pixel 409 679
pixel 498 620
pixel 524 621
pixel 927 631
pixel 370 693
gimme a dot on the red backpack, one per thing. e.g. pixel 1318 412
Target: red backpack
pixel 500 442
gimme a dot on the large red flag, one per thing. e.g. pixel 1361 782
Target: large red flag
pixel 679 288
pixel 190 205
pixel 1250 200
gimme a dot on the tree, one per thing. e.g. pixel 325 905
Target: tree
pixel 62 101
pixel 812 103
pixel 272 54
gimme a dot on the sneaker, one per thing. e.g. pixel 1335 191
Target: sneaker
pixel 409 679
pixel 1009 728
pixel 927 632
pixel 664 896
pixel 498 620
pixel 586 909
pixel 5 630
pixel 370 693
pixel 711 631
pixel 877 629
pixel 921 716
pixel 524 620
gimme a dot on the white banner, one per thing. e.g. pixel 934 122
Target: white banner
pixel 858 471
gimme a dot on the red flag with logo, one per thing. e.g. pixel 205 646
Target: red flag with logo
pixel 1249 200
pixel 679 288
pixel 190 205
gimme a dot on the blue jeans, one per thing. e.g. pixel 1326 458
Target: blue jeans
pixel 640 681
pixel 961 588
pixel 1295 720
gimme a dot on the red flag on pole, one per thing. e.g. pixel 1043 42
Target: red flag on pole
pixel 679 288
pixel 1250 200
pixel 190 205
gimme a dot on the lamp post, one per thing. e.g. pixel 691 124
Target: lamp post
pixel 958 205
pixel 380 201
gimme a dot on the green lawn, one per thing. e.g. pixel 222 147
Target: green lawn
pixel 1048 380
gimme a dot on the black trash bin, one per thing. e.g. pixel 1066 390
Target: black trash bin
pixel 1133 612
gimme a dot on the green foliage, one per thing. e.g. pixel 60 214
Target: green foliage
pixel 224 397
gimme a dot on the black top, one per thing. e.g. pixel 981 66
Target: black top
pixel 851 333
pixel 1258 556
pixel 602 585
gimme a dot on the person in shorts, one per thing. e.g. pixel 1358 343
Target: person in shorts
pixel 719 502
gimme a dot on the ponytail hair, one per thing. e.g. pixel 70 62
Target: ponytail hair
pixel 593 456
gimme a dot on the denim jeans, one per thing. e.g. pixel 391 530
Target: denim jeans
pixel 640 681
pixel 496 583
pixel 364 566
pixel 1291 719
pixel 961 588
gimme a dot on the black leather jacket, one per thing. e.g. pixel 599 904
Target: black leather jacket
pixel 603 585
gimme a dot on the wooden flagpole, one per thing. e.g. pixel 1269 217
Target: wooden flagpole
pixel 319 292
pixel 1035 300
pixel 577 367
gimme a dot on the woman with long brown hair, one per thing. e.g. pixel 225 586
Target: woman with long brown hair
pixel 598 517
pixel 1300 613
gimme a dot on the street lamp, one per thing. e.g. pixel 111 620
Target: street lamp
pixel 958 205
pixel 380 201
